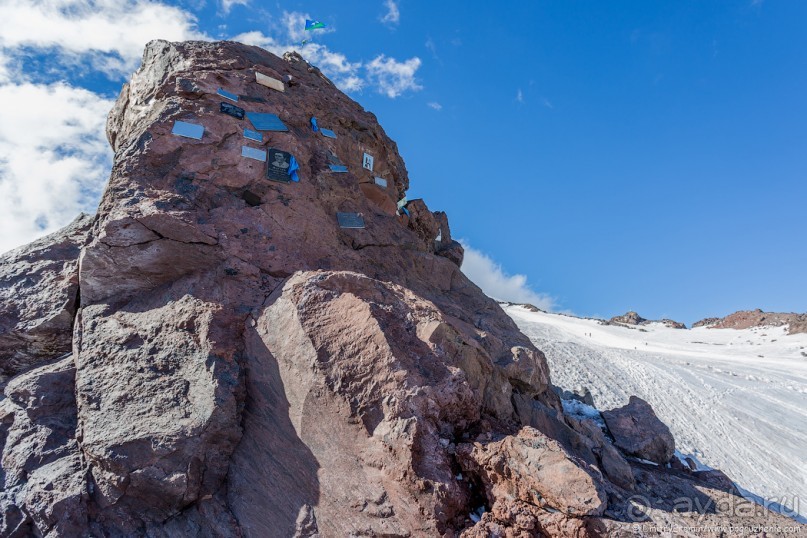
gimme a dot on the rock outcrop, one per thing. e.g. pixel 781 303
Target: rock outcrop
pixel 39 299
pixel 633 319
pixel 638 431
pixel 241 365
pixel 746 319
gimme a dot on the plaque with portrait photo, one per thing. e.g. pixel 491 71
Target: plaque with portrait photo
pixel 277 165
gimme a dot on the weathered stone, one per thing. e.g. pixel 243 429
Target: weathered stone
pixel 38 298
pixel 638 432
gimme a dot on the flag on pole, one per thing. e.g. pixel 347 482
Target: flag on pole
pixel 313 25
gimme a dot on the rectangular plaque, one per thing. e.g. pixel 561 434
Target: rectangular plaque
pixel 269 82
pixel 278 163
pixel 188 130
pixel 367 162
pixel 337 168
pixel 327 132
pixel 381 182
pixel 227 95
pixel 232 110
pixel 253 135
pixel 334 159
pixel 252 153
pixel 350 220
pixel 266 122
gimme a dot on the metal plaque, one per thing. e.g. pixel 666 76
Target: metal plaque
pixel 381 182
pixel 253 135
pixel 337 168
pixel 227 95
pixel 327 132
pixel 188 130
pixel 269 82
pixel 350 220
pixel 252 153
pixel 232 110
pixel 278 164
pixel 333 159
pixel 367 162
pixel 266 122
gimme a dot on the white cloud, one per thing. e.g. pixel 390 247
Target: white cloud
pixel 393 15
pixel 54 158
pixel 387 75
pixel 393 77
pixel 495 282
pixel 227 5
pixel 548 104
pixel 520 96
pixel 434 105
pixel 111 34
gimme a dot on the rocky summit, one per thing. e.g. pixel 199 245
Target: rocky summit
pixel 257 335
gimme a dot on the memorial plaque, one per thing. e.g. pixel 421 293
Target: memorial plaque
pixel 253 135
pixel 333 159
pixel 188 130
pixel 367 162
pixel 327 132
pixel 337 168
pixel 269 82
pixel 252 99
pixel 350 220
pixel 252 153
pixel 278 165
pixel 232 110
pixel 381 182
pixel 227 95
pixel 266 122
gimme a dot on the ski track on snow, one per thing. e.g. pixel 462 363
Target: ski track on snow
pixel 735 410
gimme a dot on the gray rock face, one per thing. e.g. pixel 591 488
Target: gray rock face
pixel 638 432
pixel 38 298
pixel 45 485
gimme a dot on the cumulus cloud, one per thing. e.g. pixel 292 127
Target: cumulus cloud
pixel 393 15
pixel 387 75
pixel 497 283
pixel 54 158
pixel 392 77
pixel 110 34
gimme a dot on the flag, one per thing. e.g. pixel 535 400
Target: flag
pixel 313 25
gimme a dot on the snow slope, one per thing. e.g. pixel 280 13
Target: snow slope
pixel 736 399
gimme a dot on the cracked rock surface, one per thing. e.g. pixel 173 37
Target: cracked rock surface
pixel 233 363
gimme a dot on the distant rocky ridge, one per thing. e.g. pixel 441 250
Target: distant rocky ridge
pixel 745 319
pixel 212 354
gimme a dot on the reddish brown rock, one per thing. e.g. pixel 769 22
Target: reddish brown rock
pixel 745 319
pixel 38 298
pixel 638 432
pixel 242 366
pixel 529 479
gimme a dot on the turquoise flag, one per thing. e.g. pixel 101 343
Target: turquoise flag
pixel 313 25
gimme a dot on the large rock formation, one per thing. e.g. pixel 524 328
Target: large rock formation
pixel 745 319
pixel 242 366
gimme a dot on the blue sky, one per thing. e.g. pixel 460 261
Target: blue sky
pixel 596 156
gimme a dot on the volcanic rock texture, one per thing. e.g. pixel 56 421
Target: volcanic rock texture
pixel 242 366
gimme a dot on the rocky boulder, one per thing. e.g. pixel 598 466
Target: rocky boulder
pixel 746 319
pixel 39 298
pixel 528 478
pixel 638 432
pixel 629 318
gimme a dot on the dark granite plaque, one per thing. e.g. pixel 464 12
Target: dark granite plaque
pixel 350 220
pixel 232 110
pixel 277 165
